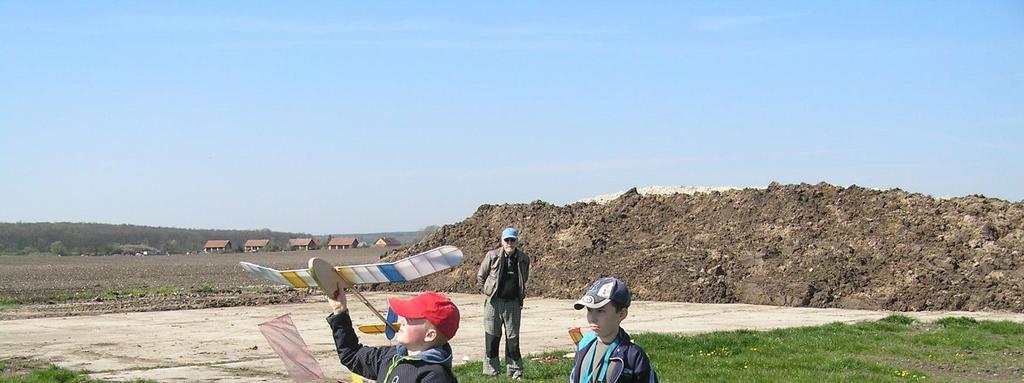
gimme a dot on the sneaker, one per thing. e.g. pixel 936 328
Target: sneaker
pixel 517 376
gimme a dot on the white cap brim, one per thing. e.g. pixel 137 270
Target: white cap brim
pixel 580 304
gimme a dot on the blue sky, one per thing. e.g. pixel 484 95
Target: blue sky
pixel 329 117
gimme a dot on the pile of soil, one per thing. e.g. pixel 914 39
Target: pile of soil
pixel 792 245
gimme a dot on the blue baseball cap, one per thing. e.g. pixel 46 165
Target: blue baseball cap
pixel 509 233
pixel 605 290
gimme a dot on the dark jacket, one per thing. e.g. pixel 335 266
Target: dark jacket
pixel 433 365
pixel 492 267
pixel 628 363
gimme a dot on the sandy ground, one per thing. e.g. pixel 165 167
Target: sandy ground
pixel 224 345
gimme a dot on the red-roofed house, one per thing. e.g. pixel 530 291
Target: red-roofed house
pixel 217 246
pixel 342 243
pixel 387 242
pixel 255 245
pixel 302 244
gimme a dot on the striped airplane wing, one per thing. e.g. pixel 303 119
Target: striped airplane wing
pixel 299 278
pixel 407 269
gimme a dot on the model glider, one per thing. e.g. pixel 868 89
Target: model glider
pixel 416 266
pixel 330 277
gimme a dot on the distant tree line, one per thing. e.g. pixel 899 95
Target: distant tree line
pixel 66 238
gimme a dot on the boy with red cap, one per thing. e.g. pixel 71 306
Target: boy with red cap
pixel 427 321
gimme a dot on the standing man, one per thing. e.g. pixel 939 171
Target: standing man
pixel 502 278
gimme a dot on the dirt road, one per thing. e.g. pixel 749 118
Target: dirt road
pixel 223 344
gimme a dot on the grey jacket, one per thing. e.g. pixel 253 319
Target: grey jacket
pixel 492 267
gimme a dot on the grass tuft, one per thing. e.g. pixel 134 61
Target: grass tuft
pixel 139 292
pixel 204 288
pixel 7 303
pixel 898 319
pixel 957 322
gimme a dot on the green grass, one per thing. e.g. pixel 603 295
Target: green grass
pixel 204 288
pixel 46 375
pixel 90 294
pixel 139 292
pixel 7 302
pixel 894 349
pixel 107 294
pixel 51 374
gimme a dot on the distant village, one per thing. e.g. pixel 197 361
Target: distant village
pixel 93 239
pixel 297 244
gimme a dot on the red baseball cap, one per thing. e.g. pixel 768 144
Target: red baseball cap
pixel 434 307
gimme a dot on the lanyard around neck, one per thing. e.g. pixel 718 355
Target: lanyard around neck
pixel 395 360
pixel 588 362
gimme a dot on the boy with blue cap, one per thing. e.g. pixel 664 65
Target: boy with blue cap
pixel 607 355
pixel 502 278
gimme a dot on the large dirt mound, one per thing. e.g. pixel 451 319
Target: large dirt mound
pixel 794 245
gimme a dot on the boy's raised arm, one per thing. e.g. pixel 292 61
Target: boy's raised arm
pixel 356 357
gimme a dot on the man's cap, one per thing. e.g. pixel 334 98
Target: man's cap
pixel 605 290
pixel 509 233
pixel 434 307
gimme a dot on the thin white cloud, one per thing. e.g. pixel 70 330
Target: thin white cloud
pixel 410 34
pixel 249 25
pixel 298 27
pixel 716 24
pixel 413 43
pixel 602 166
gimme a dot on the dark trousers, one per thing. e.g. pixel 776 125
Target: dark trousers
pixel 502 314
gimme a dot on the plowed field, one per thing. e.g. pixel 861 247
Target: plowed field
pixel 61 286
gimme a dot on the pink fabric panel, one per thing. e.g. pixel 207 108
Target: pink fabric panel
pixel 284 338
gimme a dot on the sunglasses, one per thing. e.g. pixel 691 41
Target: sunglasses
pixel 509 240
